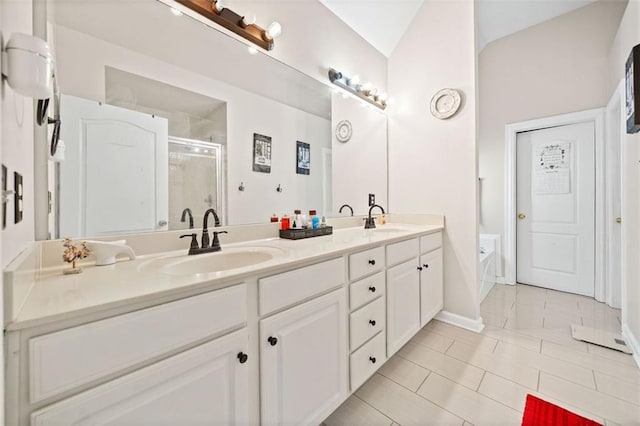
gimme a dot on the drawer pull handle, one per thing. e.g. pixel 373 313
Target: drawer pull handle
pixel 426 265
pixel 419 268
pixel 242 357
pixel 372 359
pixel 372 322
pixel 372 262
pixel 372 289
pixel 272 340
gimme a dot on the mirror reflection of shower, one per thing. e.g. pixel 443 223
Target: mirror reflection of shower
pixel 195 180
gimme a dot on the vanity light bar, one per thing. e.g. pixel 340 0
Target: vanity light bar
pixel 240 25
pixel 366 91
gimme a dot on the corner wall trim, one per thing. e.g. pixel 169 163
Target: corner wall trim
pixel 475 325
pixel 632 342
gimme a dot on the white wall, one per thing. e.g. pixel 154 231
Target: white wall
pixel 17 138
pixel 628 36
pixel 359 165
pixel 432 163
pixel 553 68
pixel 81 64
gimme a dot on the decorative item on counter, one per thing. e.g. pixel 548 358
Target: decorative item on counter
pixel 73 253
pixel 323 223
pixel 315 220
pixel 274 218
pixel 298 234
pixel 304 221
pixel 383 219
pixel 297 220
pixel 285 222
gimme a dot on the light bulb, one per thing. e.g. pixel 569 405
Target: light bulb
pixel 252 50
pixel 366 88
pixel 273 30
pixel 383 96
pixel 218 6
pixel 354 81
pixel 390 101
pixel 176 12
pixel 249 19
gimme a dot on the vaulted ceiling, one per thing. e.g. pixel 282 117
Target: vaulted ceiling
pixel 383 22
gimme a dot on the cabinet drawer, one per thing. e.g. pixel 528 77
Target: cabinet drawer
pixel 366 360
pixel 399 252
pixel 366 322
pixel 364 291
pixel 430 242
pixel 63 360
pixel 285 289
pixel 366 262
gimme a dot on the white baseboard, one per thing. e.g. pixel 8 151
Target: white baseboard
pixel 501 280
pixel 632 342
pixel 475 325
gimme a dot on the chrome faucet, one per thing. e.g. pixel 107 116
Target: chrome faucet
pixel 205 247
pixel 346 205
pixel 370 221
pixel 186 212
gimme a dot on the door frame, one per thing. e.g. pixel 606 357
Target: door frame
pixel 614 112
pixel 595 116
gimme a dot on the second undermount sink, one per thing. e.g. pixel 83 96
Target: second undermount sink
pixel 227 259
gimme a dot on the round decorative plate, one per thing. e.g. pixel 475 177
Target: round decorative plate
pixel 343 130
pixel 445 103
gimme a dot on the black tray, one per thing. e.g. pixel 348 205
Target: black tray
pixel 298 234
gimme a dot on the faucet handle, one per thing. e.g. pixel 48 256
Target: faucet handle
pixel 216 242
pixel 194 241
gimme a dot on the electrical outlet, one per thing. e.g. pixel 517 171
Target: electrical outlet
pixel 372 199
pixel 17 197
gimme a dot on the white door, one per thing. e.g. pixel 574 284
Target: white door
pixel 114 179
pixel 303 362
pixel 207 385
pixel 403 304
pixel 556 208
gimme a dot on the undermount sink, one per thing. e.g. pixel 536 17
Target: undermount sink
pixel 227 259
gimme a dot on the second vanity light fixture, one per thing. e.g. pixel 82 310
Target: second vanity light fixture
pixel 244 26
pixel 365 91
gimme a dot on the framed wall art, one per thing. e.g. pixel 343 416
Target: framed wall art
pixel 303 158
pixel 632 90
pixel 261 153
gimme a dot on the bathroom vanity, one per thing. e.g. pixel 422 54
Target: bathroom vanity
pixel 281 341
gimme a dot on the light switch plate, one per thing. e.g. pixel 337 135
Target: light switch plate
pixel 17 197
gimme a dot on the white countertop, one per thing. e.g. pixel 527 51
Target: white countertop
pixel 56 297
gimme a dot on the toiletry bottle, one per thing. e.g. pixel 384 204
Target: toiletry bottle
pixel 323 223
pixel 315 220
pixel 297 220
pixel 285 223
pixel 304 221
pixel 274 218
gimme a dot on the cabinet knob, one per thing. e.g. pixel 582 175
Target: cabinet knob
pixel 242 357
pixel 419 268
pixel 372 289
pixel 372 322
pixel 272 340
pixel 372 262
pixel 372 359
pixel 426 265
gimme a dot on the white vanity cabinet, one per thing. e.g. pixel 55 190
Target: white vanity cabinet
pixel 403 304
pixel 303 349
pixel 431 285
pixel 208 384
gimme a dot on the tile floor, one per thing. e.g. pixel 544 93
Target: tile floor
pixel 448 375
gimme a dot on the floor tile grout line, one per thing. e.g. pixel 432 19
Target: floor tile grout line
pixel 400 384
pixel 366 403
pixel 484 373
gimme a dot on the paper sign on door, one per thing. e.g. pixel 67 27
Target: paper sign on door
pixel 552 165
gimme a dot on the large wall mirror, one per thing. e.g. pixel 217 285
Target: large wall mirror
pixel 162 113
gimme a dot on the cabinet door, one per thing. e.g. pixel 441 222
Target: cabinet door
pixel 207 385
pixel 431 291
pixel 403 304
pixel 303 361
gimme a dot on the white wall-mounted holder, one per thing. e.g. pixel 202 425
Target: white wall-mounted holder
pixel 27 65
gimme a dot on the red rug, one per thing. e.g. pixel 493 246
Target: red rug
pixel 538 412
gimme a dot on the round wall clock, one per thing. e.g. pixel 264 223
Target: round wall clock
pixel 445 103
pixel 343 130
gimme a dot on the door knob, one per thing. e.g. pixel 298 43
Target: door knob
pixel 521 215
pixel 618 220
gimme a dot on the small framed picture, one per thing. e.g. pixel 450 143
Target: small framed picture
pixel 632 90
pixel 303 158
pixel 261 153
